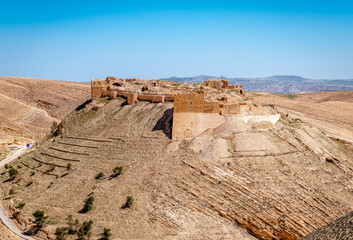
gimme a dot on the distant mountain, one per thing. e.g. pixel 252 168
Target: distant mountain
pixel 287 84
pixel 196 79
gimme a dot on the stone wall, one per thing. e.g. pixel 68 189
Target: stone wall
pixel 220 84
pixel 97 88
pixel 194 115
pixel 194 102
pixel 188 125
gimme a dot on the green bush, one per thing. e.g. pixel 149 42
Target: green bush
pixel 129 201
pixel 99 175
pixel 69 167
pixel 12 192
pixel 7 166
pixel 88 204
pixel 13 173
pixel 60 233
pixel 106 234
pixel 20 206
pixel 118 170
pixel 32 173
pixel 73 225
pixel 85 230
pixel 40 218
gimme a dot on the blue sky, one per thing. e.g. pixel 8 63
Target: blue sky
pixel 81 40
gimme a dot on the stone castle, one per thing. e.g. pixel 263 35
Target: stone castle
pixel 197 107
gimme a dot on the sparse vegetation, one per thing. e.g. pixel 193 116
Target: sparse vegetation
pixel 129 202
pixel 100 175
pixel 88 204
pixel 60 233
pixel 85 230
pixel 20 206
pixel 54 128
pixel 118 170
pixel 12 192
pixel 40 218
pixel 68 167
pixel 32 173
pixel 13 173
pixel 106 234
pixel 73 225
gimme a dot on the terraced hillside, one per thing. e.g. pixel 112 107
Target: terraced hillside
pixel 237 181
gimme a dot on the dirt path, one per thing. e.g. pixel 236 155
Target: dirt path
pixel 4 219
pixel 14 155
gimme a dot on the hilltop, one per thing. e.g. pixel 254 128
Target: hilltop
pixel 331 112
pixel 236 181
pixel 28 106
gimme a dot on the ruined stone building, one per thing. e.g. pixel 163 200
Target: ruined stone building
pixel 197 107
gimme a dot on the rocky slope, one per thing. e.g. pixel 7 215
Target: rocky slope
pixel 238 181
pixel 28 106
pixel 331 112
pixel 340 229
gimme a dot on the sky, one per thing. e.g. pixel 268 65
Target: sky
pixel 81 40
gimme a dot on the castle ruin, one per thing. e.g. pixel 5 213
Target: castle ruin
pixel 197 107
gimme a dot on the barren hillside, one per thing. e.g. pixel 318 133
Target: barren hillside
pixel 331 112
pixel 6 234
pixel 237 181
pixel 29 106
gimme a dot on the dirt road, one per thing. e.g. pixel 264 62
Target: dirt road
pixel 4 219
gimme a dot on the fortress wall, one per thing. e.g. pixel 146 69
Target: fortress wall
pixel 230 109
pixel 169 98
pixel 97 88
pixel 152 98
pixel 194 102
pixel 131 98
pixel 190 124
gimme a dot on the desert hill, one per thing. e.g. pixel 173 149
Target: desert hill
pixel 237 181
pixel 28 106
pixel 331 112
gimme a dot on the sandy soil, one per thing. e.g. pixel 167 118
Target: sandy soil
pixel 6 234
pixel 232 182
pixel 331 112
pixel 28 106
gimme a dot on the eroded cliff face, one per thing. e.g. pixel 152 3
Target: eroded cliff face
pixel 237 181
